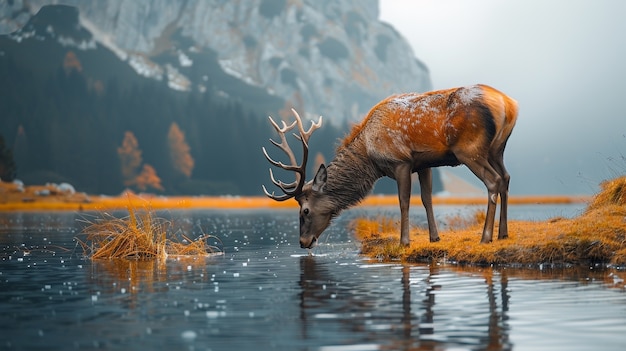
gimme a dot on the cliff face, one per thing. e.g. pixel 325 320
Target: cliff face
pixel 330 58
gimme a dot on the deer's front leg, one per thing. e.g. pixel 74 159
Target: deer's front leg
pixel 426 187
pixel 403 178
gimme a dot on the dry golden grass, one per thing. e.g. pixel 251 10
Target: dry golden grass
pixel 596 236
pixel 27 198
pixel 139 236
pixel 613 192
pixel 16 196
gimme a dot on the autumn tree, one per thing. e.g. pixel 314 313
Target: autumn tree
pixel 180 157
pixel 72 63
pixel 148 179
pixel 130 159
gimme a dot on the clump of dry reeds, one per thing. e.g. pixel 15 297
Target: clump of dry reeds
pixel 139 236
pixel 612 193
pixel 596 236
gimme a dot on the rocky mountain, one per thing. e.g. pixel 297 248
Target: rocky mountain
pixel 330 58
pixel 82 77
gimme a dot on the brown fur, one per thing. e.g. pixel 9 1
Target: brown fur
pixel 412 132
pixel 409 133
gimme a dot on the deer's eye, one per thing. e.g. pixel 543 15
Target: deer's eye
pixel 306 211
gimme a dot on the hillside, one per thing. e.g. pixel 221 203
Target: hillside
pixel 335 59
pixel 77 88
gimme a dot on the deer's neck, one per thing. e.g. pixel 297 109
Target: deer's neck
pixel 351 177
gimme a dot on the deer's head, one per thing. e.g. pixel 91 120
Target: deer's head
pixel 315 210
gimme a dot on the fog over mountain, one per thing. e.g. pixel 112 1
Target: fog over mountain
pixel 562 61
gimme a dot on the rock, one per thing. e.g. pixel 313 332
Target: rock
pixel 66 188
pixel 330 58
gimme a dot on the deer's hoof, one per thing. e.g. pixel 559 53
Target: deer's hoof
pixel 434 240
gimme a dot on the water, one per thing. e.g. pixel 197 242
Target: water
pixel 266 293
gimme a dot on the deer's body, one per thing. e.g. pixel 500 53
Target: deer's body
pixel 411 133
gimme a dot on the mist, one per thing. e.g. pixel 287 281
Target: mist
pixel 563 61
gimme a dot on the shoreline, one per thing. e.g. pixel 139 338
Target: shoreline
pixel 19 203
pixel 596 236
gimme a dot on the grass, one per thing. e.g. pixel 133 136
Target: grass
pixel 596 236
pixel 29 198
pixel 139 236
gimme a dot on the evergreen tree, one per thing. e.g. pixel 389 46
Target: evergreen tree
pixel 20 148
pixel 70 132
pixel 8 170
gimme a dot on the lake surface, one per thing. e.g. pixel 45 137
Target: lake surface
pixel 265 293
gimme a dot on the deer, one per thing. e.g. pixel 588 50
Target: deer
pixel 401 135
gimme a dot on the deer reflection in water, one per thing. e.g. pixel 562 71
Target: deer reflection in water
pixel 415 321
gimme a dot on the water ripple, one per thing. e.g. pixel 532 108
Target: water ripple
pixel 266 293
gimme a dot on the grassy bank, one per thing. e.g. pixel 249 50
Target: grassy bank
pixel 51 198
pixel 596 236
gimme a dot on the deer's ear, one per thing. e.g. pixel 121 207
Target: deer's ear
pixel 320 179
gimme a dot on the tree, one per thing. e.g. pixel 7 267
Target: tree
pixel 7 164
pixel 319 160
pixel 71 63
pixel 148 178
pixel 20 149
pixel 179 151
pixel 130 158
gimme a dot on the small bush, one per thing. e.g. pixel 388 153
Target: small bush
pixel 139 236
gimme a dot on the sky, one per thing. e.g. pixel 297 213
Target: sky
pixel 564 61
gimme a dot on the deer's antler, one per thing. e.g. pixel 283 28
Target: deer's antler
pixel 294 188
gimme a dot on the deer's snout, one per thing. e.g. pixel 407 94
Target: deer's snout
pixel 307 243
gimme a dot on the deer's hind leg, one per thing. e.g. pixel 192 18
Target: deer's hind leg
pixel 493 181
pixel 497 162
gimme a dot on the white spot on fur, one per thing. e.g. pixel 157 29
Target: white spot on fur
pixel 469 94
pixel 417 105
